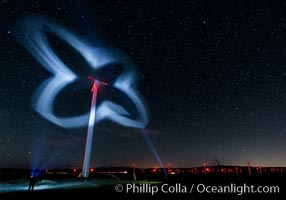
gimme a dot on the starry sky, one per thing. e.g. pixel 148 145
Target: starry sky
pixel 213 76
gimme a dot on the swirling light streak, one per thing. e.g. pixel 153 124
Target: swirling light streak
pixel 35 40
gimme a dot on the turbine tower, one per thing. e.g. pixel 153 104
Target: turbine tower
pixel 248 167
pixel 90 128
pixel 134 171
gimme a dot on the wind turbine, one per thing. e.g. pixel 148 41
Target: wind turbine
pixel 134 171
pixel 90 128
pixel 248 167
pixel 34 32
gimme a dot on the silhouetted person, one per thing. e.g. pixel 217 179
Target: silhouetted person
pixel 32 183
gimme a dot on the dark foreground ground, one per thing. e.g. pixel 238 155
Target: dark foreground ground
pixel 268 186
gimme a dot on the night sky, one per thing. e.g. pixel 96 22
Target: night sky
pixel 213 76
